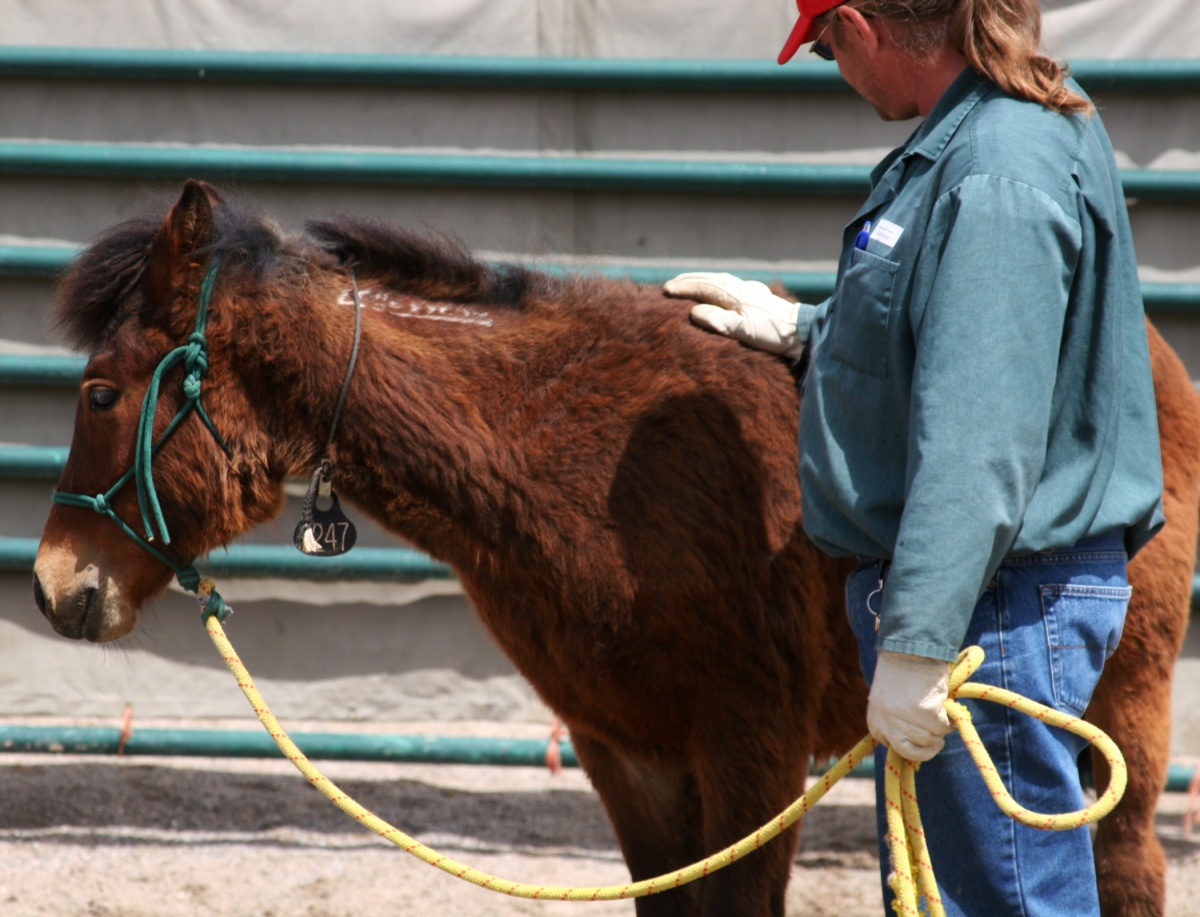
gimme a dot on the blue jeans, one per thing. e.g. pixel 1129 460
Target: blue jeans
pixel 1047 623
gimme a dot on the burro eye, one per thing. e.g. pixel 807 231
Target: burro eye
pixel 101 398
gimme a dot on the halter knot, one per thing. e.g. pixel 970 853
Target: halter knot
pixel 195 362
pixel 211 603
pixel 100 504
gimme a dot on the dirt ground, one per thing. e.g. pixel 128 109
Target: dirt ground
pixel 142 837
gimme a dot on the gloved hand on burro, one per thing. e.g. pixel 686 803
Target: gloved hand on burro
pixel 745 310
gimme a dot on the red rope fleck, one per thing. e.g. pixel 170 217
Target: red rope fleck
pixel 126 730
pixel 554 748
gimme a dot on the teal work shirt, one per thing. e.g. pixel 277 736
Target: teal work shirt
pixel 980 379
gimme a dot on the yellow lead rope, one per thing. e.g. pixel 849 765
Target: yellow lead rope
pixel 905 834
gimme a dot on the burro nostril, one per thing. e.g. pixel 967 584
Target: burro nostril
pixel 39 596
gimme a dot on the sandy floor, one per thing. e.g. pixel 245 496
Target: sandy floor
pixel 166 837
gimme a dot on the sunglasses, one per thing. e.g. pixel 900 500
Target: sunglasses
pixel 820 47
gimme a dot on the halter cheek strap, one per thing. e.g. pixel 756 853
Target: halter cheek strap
pixel 194 357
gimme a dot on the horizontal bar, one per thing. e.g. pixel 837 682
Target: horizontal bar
pixel 1176 185
pixel 17 556
pixel 381 564
pixel 247 744
pixel 814 286
pixel 808 286
pixel 422 71
pixel 326 746
pixel 50 261
pixel 278 561
pixel 423 169
pixel 229 743
pixel 41 370
pixel 1171 298
pixel 1138 75
pixel 573 173
pixel 510 72
pixel 32 462
pixel 35 260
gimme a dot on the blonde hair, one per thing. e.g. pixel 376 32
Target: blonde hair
pixel 999 38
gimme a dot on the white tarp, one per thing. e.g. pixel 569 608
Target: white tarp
pixel 567 28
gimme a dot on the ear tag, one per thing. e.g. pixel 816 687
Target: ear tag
pixel 325 532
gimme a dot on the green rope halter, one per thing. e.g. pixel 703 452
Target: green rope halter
pixel 194 357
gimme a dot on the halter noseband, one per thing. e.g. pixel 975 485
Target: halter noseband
pixel 194 356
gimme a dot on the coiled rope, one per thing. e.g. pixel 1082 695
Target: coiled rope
pixel 913 878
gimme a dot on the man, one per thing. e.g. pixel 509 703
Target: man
pixel 978 422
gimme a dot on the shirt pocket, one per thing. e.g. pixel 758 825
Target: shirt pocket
pixel 860 322
pixel 1083 627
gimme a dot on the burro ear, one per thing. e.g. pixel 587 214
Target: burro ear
pixel 187 230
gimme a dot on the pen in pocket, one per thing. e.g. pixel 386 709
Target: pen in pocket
pixel 861 240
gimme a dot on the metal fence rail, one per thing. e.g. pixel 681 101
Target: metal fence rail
pixel 810 286
pixel 408 749
pixel 563 173
pixel 399 565
pixel 32 463
pixel 231 743
pixel 41 63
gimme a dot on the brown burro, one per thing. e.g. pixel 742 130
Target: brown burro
pixel 616 489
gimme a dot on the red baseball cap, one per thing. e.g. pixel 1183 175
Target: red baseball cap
pixel 801 34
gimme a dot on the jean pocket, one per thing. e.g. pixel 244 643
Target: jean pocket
pixel 1083 628
pixel 863 306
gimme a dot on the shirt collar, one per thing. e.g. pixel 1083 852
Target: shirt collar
pixel 931 138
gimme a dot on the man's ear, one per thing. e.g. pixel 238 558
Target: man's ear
pixel 858 30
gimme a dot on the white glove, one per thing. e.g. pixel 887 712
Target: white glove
pixel 745 310
pixel 906 710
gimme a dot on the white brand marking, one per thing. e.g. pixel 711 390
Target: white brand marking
pixel 402 306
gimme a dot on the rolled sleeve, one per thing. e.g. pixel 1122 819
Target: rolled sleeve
pixel 987 321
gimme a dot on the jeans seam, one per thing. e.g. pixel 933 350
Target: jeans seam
pixel 1060 557
pixel 1005 770
pixel 1087 590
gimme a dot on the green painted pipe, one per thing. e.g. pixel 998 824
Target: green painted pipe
pixel 17 556
pixel 572 173
pixel 278 561
pixel 322 746
pixel 1171 185
pixel 32 462
pixel 1171 298
pixel 246 744
pixel 35 260
pixel 1167 75
pixel 319 746
pixel 41 370
pixel 809 286
pixel 419 71
pixel 424 169
pixel 707 75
